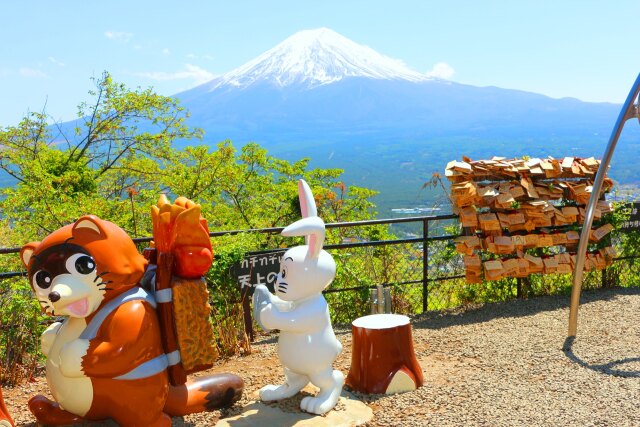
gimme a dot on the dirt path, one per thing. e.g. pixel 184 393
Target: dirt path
pixel 499 365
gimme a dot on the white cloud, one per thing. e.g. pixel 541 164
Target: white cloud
pixel 119 36
pixel 31 73
pixel 56 61
pixel 441 70
pixel 190 72
pixel 194 56
pixel 166 51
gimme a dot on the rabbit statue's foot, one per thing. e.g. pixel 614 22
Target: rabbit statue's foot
pixel 294 383
pixel 330 384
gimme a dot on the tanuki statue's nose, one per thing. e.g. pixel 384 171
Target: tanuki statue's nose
pixel 54 296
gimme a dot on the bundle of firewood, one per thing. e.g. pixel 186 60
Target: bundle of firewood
pixel 509 206
pixel 183 254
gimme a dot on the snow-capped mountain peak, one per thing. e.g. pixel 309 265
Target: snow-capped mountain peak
pixel 313 58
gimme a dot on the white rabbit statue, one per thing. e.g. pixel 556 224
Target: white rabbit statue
pixel 307 346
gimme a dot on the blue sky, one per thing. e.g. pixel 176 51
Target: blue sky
pixel 50 49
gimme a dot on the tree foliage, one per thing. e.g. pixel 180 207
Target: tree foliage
pixel 117 158
pixel 64 171
pixel 121 154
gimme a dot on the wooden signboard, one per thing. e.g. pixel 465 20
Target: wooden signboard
pixel 633 223
pixel 254 270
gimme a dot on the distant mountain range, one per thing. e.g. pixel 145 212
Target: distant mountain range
pixel 320 95
pixel 319 84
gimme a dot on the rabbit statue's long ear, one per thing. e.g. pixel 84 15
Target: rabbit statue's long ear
pixel 313 229
pixel 311 226
pixel 307 202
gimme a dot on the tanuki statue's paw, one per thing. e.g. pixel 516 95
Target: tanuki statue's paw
pixel 50 413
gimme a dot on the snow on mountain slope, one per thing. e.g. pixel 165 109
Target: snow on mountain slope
pixel 313 58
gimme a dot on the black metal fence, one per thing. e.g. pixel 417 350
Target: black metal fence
pixel 422 270
pixel 415 249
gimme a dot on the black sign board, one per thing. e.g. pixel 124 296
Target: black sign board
pixel 254 270
pixel 633 223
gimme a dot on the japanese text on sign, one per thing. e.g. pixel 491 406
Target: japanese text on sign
pixel 633 223
pixel 256 270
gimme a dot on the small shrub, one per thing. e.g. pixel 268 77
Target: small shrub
pixel 21 323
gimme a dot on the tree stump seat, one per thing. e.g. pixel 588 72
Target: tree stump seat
pixel 383 359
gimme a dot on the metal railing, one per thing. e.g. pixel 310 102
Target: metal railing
pixel 416 268
pixel 422 240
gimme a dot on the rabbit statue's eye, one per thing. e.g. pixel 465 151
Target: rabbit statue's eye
pixel 284 273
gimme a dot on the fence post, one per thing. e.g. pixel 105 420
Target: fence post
pixel 425 264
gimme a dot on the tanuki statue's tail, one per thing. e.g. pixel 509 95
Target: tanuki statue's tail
pixel 203 394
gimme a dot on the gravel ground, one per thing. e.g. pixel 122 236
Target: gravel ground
pixel 496 365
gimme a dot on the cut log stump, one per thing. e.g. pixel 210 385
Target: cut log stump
pixel 383 360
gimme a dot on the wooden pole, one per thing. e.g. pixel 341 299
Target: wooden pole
pixel 177 374
pixel 246 313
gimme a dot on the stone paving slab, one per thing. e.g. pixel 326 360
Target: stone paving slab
pixel 348 412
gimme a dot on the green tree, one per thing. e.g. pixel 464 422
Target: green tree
pixel 61 173
pixel 250 189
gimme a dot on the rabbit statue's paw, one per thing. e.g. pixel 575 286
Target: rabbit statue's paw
pixel 330 384
pixel 261 303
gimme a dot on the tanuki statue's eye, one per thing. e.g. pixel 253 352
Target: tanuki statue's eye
pixel 85 264
pixel 42 279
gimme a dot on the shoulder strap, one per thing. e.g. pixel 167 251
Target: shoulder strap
pixel 136 293
pixel 146 369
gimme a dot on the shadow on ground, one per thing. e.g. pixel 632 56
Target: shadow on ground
pixel 610 368
pixel 513 308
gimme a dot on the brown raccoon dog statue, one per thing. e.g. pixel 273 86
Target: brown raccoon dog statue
pixel 5 418
pixel 106 360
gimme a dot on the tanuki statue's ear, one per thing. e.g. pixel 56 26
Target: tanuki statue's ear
pixel 89 222
pixel 26 252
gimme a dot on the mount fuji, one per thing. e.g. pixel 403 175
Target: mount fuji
pixel 312 58
pixel 320 95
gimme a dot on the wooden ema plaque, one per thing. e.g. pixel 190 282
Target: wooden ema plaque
pixel 510 206
pixel 383 360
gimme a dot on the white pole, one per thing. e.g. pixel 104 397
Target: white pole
pixel 629 111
